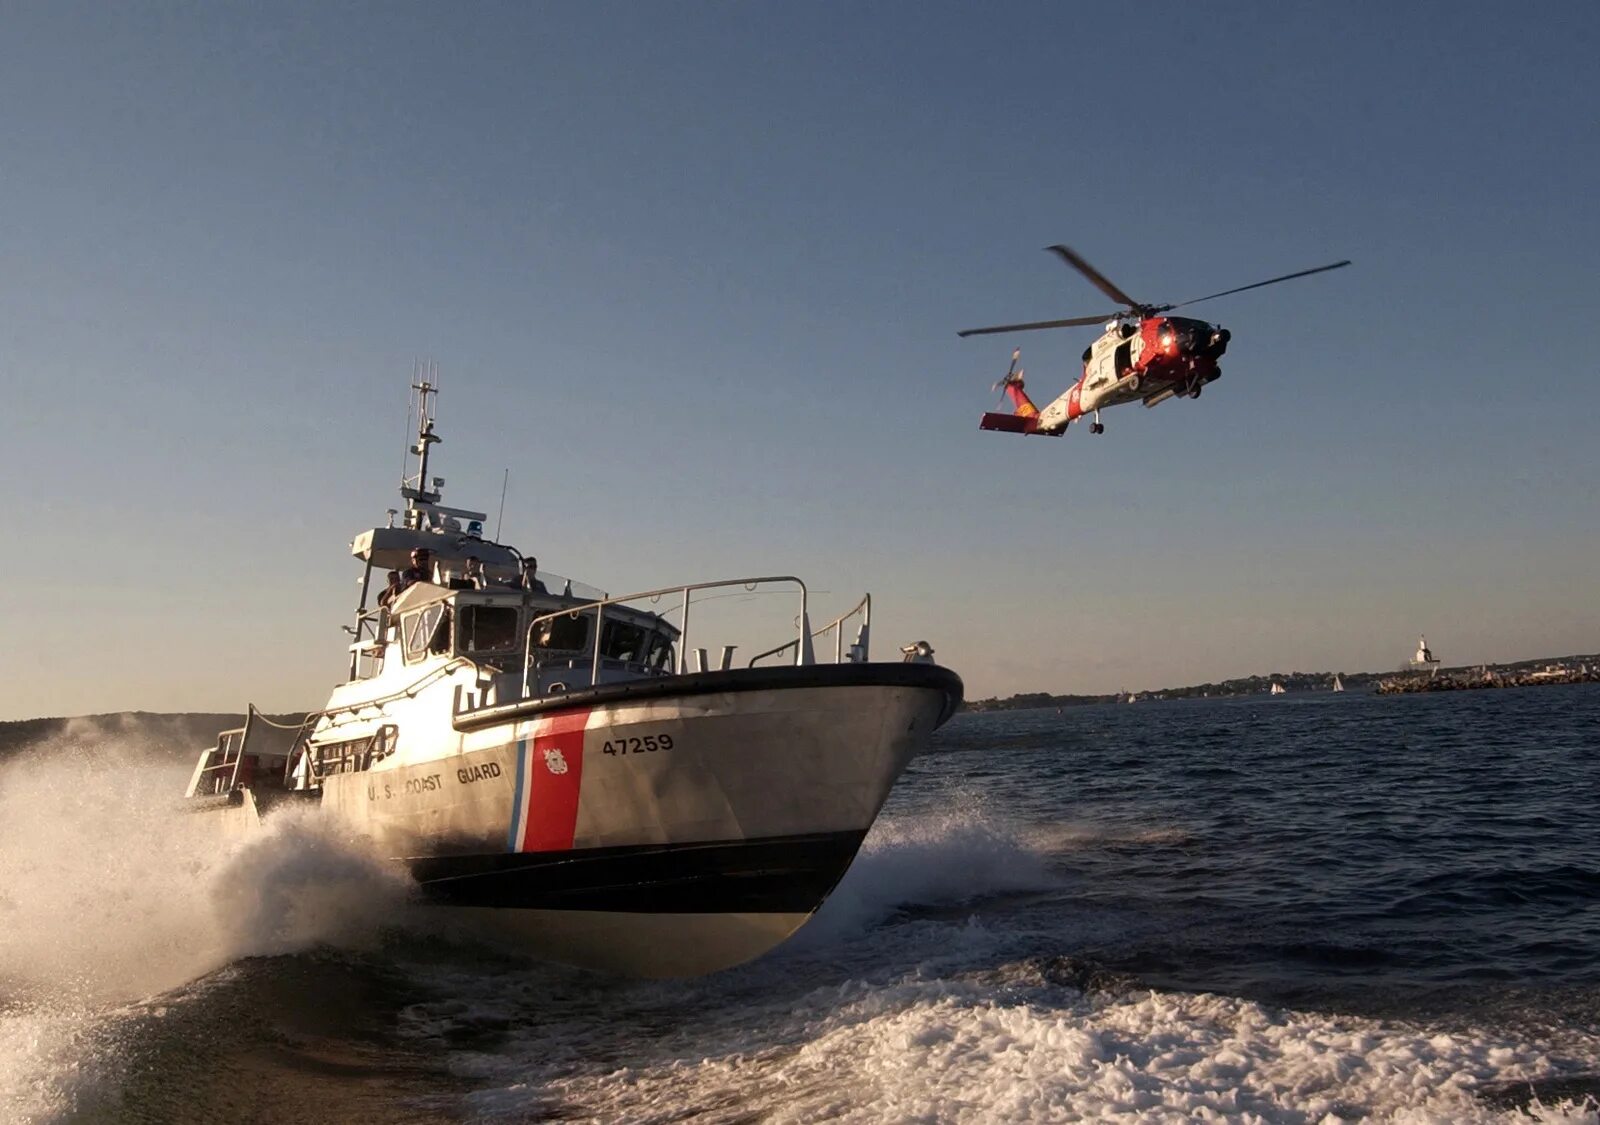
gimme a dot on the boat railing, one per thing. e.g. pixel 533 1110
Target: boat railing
pixel 857 653
pixel 241 751
pixel 223 759
pixel 366 636
pixel 685 594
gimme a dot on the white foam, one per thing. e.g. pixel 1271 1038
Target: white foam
pixel 949 1050
pixel 109 894
pixel 943 1023
pixel 943 859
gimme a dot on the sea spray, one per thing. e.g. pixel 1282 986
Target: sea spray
pixel 945 858
pixel 298 882
pixel 111 894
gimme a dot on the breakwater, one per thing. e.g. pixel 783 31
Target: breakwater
pixel 1485 678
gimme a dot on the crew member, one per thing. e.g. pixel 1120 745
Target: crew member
pixel 392 590
pixel 530 577
pixel 421 568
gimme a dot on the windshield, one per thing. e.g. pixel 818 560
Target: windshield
pixel 565 633
pixel 427 631
pixel 487 628
pixel 623 641
pixel 660 658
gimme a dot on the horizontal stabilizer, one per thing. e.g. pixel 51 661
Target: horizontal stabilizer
pixel 1008 423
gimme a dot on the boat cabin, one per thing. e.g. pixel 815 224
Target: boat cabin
pixel 521 639
pixel 507 621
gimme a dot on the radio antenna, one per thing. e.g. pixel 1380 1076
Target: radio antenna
pixel 411 402
pixel 501 518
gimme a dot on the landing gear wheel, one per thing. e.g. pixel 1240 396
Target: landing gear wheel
pixel 1096 428
pixel 1195 393
pixel 1133 383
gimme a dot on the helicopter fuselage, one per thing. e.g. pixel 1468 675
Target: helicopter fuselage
pixel 1149 360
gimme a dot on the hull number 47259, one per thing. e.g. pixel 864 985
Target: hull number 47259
pixel 648 744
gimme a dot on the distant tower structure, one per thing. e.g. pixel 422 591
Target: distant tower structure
pixel 1425 658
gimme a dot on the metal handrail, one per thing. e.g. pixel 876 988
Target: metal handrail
pixel 683 623
pixel 863 607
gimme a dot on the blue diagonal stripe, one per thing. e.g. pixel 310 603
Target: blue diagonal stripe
pixel 516 800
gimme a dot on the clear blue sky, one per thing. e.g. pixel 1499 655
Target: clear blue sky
pixel 693 273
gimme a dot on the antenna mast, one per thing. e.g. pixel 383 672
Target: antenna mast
pixel 427 387
pixel 504 481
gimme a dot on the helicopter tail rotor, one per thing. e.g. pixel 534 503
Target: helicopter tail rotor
pixel 1013 377
pixel 1021 405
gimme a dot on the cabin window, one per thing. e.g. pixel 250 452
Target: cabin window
pixel 624 641
pixel 427 631
pixel 353 755
pixel 567 633
pixel 660 658
pixel 487 628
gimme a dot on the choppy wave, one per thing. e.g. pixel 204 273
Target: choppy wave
pixel 962 1050
pixel 885 1015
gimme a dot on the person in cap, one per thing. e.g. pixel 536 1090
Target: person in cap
pixel 421 568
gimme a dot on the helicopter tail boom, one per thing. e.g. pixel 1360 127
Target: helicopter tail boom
pixel 1008 423
pixel 1024 418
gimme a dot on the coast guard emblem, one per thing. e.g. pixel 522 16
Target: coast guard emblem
pixel 554 762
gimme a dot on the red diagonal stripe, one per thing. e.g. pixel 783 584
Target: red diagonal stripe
pixel 552 796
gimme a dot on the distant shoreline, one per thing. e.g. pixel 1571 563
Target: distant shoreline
pixel 1521 673
pixel 180 734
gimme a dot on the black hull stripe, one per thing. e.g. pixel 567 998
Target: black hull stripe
pixel 932 677
pixel 786 874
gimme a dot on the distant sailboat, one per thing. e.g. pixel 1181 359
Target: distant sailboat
pixel 1277 688
pixel 1338 684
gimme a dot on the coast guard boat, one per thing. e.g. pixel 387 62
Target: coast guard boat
pixel 563 765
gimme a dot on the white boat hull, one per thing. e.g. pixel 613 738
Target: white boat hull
pixel 658 828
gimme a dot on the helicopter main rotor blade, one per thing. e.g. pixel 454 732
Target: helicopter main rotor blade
pixel 1070 322
pixel 1257 285
pixel 1096 278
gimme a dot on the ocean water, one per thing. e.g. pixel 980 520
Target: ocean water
pixel 1302 909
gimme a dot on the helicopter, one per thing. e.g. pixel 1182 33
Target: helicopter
pixel 1143 355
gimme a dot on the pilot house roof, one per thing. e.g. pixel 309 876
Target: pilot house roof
pixel 389 548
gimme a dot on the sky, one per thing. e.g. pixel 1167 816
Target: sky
pixel 692 273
